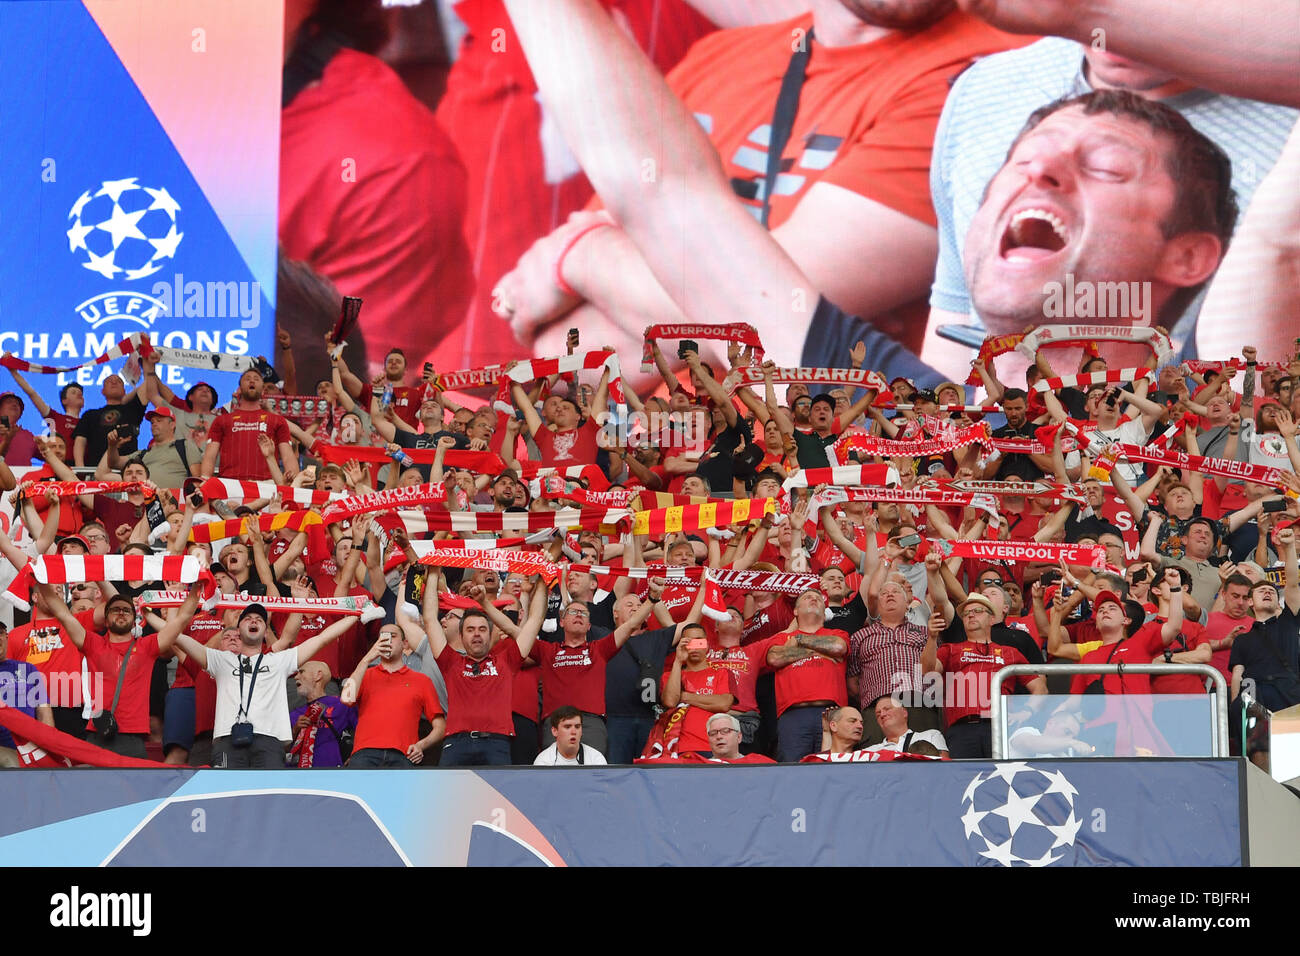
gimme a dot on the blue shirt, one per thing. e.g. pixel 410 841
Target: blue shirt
pixel 22 687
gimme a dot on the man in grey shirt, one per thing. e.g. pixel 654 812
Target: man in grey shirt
pixel 985 111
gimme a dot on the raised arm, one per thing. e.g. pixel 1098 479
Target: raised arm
pixel 529 629
pixel 432 626
pixel 179 620
pixel 42 406
pixel 67 620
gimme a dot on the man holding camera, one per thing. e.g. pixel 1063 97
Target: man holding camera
pixel 121 664
pixel 252 717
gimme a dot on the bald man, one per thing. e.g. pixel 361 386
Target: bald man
pixel 318 723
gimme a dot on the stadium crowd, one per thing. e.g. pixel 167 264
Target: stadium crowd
pixel 789 536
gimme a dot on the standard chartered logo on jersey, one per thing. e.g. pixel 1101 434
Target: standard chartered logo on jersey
pixel 1019 815
pixel 128 234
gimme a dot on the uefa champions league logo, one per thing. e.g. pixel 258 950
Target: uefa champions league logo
pixel 1019 815
pixel 124 230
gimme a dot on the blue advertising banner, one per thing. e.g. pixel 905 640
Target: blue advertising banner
pixel 139 171
pixel 1047 813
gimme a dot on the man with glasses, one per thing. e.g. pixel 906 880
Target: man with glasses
pixel 723 731
pixel 96 537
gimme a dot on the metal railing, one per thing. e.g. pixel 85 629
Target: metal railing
pixel 997 710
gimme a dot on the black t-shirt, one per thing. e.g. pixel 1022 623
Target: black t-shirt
pixel 1016 464
pixel 407 439
pixel 1270 653
pixel 717 464
pixel 95 424
pixel 641 660
pixel 850 617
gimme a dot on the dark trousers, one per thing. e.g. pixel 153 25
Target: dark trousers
pixel 970 740
pixel 627 737
pixel 523 746
pixel 124 745
pixel 373 758
pixel 70 721
pixel 798 733
pixel 264 753
pixel 462 750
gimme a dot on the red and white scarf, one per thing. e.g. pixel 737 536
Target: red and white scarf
pixel 741 332
pixel 1093 556
pixel 777 582
pixel 128 346
pixel 1231 367
pixel 591 474
pixel 1046 335
pixel 471 522
pixel 843 475
pixel 411 496
pixel 1114 376
pixel 828 377
pixel 533 369
pixel 922 495
pixel 499 560
pixel 553 487
pixel 347 606
pixel 1223 467
pixel 950 440
pixel 991 348
pixel 480 462
pixel 232 489
pixel 70 489
pixel 969 409
pixel 304 745
pixel 79 568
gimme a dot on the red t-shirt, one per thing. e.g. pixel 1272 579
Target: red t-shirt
pixel 406 402
pixel 980 661
pixel 709 679
pixel 236 432
pixel 577 446
pixel 64 425
pixel 1141 648
pixel 1195 636
pixel 389 705
pixel 677 600
pixel 43 644
pixel 744 758
pixel 573 675
pixel 1217 627
pixel 479 692
pixel 744 666
pixel 205 694
pixel 105 658
pixel 811 679
pixel 71 514
pixel 312 624
pixel 526 691
pixel 771 619
pixel 201 629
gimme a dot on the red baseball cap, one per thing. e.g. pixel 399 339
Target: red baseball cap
pixel 161 411
pixel 1105 597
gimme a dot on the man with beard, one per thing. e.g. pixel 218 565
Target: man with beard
pixel 121 666
pixel 391 698
pixel 1106 187
pixel 874 76
pixel 233 438
pixel 251 728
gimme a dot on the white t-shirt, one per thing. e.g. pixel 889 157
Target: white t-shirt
pixel 1263 448
pixel 550 757
pixel 269 709
pixel 1126 433
pixel 929 736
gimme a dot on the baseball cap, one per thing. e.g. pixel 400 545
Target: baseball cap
pixel 14 395
pixel 925 395
pixel 826 398
pixel 1105 597
pixel 901 378
pixel 255 608
pixel 979 599
pixel 162 411
pixel 78 539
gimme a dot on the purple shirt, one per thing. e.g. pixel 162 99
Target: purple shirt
pixel 343 717
pixel 22 687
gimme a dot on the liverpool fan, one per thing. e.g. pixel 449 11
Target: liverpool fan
pixel 121 666
pixel 698 687
pixel 1268 655
pixel 390 699
pixel 892 718
pixel 573 441
pixel 170 460
pixel 252 727
pixel 1222 628
pixel 841 734
pixel 809 665
pixel 238 431
pixel 971 664
pixel 724 732
pixel 568 749
pixel 589 94
pixel 885 659
pixel 323 725
pixel 22 687
pixel 573 670
pixel 119 412
pixel 479 681
pixel 63 423
pixel 744 662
